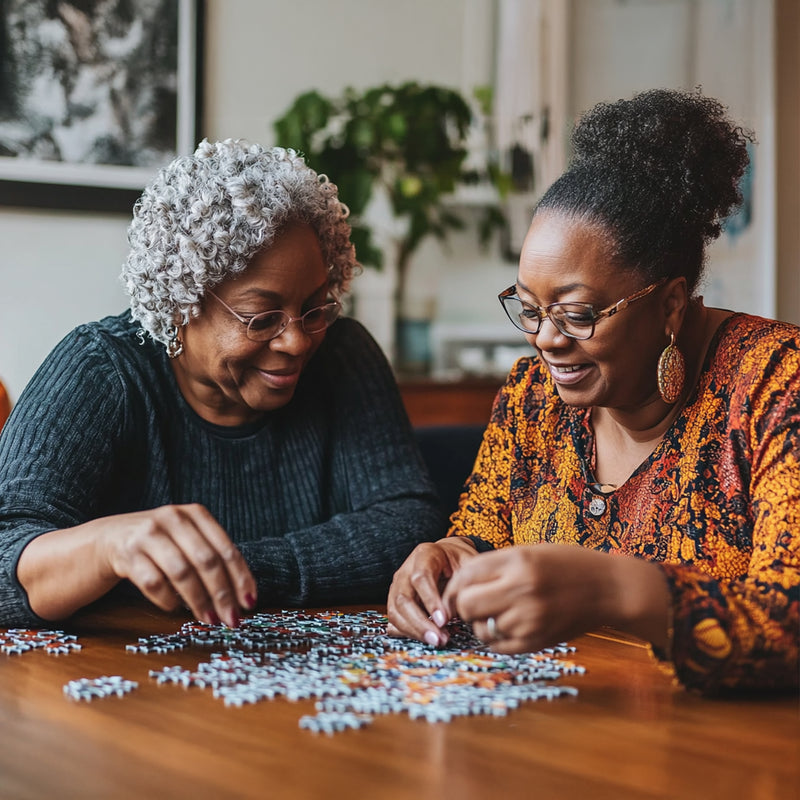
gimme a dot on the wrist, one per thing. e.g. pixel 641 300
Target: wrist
pixel 458 546
pixel 642 600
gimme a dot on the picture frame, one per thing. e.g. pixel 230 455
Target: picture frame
pixel 92 103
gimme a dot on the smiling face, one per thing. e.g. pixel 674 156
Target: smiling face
pixel 568 260
pixel 229 379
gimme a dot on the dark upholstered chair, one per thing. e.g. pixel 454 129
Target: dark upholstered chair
pixel 449 452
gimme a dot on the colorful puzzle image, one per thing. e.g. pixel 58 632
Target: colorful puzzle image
pixel 355 671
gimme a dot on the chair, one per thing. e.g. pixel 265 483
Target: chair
pixel 449 452
pixel 5 405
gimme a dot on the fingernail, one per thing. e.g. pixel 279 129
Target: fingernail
pixel 213 618
pixel 250 601
pixel 439 617
pixel 432 638
pixel 234 619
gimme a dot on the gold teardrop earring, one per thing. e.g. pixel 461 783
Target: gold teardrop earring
pixel 671 372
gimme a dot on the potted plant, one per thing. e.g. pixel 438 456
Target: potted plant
pixel 407 141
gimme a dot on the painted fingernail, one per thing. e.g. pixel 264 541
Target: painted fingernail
pixel 213 618
pixel 250 601
pixel 234 619
pixel 432 638
pixel 439 617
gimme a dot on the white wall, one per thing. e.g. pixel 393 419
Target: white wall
pixel 725 46
pixel 58 269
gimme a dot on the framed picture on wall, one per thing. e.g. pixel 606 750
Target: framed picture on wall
pixel 94 98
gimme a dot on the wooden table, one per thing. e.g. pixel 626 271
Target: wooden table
pixel 628 734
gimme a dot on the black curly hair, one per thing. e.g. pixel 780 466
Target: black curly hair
pixel 659 174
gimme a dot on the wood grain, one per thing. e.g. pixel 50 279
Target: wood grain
pixel 630 733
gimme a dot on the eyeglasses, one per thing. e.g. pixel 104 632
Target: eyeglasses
pixel 575 320
pixel 270 324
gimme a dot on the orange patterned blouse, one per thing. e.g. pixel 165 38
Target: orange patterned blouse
pixel 717 503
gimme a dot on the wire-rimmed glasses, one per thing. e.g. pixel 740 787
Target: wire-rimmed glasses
pixel 575 320
pixel 270 324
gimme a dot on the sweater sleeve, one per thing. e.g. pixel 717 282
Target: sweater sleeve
pixel 54 455
pixel 745 632
pixel 382 500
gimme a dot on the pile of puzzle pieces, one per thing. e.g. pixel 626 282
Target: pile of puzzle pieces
pixel 344 661
pixel 348 664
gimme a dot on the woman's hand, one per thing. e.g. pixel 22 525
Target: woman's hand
pixel 173 554
pixel 539 595
pixel 415 606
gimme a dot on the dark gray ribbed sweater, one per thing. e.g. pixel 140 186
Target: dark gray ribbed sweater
pixel 324 497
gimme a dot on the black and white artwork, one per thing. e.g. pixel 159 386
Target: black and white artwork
pixel 95 95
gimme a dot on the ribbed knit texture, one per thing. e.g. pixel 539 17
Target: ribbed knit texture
pixel 325 497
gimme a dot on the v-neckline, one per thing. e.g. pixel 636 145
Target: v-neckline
pixel 584 436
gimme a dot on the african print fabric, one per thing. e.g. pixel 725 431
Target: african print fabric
pixel 717 503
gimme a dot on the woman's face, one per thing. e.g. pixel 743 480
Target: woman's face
pixel 229 379
pixel 567 260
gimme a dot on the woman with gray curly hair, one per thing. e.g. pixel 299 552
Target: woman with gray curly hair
pixel 225 441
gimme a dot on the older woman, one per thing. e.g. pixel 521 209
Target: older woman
pixel 645 462
pixel 225 441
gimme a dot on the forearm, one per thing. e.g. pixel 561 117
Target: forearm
pixel 62 571
pixel 641 601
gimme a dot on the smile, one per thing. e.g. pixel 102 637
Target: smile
pixel 280 380
pixel 568 374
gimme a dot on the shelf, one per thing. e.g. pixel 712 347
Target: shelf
pixel 467 401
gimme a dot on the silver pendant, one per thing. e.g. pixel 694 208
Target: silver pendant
pixel 597 506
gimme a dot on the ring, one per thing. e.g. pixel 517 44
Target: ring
pixel 491 627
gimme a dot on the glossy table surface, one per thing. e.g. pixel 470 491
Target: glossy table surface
pixel 630 733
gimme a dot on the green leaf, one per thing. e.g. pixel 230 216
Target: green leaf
pixel 355 187
pixel 366 252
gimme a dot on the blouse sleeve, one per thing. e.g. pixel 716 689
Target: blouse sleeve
pixel 746 632
pixel 485 508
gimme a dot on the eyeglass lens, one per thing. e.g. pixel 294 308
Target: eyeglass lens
pixel 271 323
pixel 575 320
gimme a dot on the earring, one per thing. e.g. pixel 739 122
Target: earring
pixel 671 372
pixel 174 345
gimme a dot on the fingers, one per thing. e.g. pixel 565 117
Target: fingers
pixel 183 550
pixel 225 580
pixel 409 618
pixel 476 591
pixel 152 582
pixel 415 606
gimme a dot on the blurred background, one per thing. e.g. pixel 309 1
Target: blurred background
pixel 525 69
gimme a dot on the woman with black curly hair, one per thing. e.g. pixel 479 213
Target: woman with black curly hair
pixel 645 462
pixel 225 440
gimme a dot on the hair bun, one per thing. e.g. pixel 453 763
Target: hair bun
pixel 679 143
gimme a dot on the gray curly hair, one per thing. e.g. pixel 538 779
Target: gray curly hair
pixel 204 217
